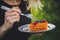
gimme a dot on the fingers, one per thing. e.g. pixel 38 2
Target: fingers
pixel 12 20
pixel 16 9
pixel 12 17
pixel 11 14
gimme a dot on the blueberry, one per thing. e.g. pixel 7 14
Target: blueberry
pixel 39 20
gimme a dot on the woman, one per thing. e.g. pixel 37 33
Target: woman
pixel 10 20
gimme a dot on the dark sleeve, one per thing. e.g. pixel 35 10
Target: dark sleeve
pixel 1 15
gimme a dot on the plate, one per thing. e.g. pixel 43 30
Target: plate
pixel 25 28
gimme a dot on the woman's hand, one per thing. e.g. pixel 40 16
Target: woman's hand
pixel 11 17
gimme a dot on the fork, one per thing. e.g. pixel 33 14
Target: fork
pixel 27 15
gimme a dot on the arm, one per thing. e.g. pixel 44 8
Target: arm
pixel 3 30
pixel 11 16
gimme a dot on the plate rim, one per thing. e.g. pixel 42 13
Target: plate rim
pixel 39 31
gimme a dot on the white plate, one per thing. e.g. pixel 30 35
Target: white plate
pixel 25 28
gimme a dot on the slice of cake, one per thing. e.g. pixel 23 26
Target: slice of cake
pixel 39 25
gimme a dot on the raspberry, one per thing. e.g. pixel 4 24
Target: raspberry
pixel 35 22
pixel 44 21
